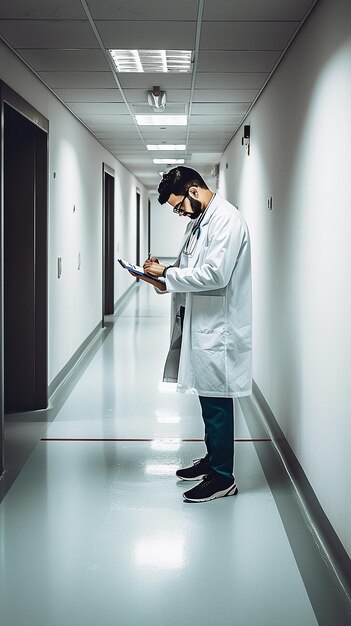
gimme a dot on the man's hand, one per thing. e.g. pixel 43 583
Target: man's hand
pixel 153 267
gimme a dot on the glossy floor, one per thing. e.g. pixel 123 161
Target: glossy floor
pixel 95 531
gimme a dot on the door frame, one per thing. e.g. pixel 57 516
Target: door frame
pixel 11 98
pixel 106 169
pixel 149 227
pixel 137 226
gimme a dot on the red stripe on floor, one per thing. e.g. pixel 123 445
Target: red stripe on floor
pixel 68 439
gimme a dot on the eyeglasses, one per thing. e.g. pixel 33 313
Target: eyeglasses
pixel 178 207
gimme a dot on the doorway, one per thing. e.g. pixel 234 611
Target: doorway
pixel 25 264
pixel 109 240
pixel 24 343
pixel 149 228
pixel 137 255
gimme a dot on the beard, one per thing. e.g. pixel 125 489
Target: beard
pixel 196 207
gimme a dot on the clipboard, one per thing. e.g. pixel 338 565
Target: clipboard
pixel 138 272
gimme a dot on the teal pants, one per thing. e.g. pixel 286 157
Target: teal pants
pixel 218 416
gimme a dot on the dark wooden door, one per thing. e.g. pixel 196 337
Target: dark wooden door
pixel 109 203
pixel 137 255
pixel 25 264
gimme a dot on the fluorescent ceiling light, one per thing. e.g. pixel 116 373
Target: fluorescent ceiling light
pixel 166 146
pixel 151 61
pixel 161 120
pixel 170 162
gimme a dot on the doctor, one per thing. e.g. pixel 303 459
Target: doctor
pixel 210 351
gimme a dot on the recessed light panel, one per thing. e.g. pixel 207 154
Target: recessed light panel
pixel 166 146
pixel 161 120
pixel 169 161
pixel 152 61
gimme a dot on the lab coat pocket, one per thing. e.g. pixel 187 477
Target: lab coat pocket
pixel 208 340
pixel 208 322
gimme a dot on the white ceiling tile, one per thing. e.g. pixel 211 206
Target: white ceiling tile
pixel 99 108
pixel 78 79
pixel 141 10
pixel 118 135
pixel 204 127
pixel 136 159
pixel 72 34
pixel 236 80
pixel 211 133
pixel 126 143
pixel 236 108
pixel 134 35
pixel 223 120
pixel 227 95
pixel 59 60
pixel 96 119
pixel 89 95
pixel 200 157
pixel 206 147
pixel 279 10
pixel 41 9
pixel 206 139
pixel 235 61
pixel 121 120
pixel 246 35
pixel 134 152
pixel 193 146
pixel 215 108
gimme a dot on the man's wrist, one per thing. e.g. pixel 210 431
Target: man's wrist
pixel 165 271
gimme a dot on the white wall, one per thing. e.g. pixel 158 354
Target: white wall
pixel 75 300
pixel 167 229
pixel 300 155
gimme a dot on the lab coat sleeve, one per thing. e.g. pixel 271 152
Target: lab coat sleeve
pixel 225 239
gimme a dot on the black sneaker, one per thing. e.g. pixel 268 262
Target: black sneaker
pixel 197 471
pixel 213 486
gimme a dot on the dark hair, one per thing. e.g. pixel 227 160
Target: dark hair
pixel 177 181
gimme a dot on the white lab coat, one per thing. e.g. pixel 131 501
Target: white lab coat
pixel 213 356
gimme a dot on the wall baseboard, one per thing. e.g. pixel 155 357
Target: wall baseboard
pixel 124 298
pixel 323 531
pixel 88 344
pixel 66 370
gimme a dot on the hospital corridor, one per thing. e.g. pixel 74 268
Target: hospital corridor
pixel 95 530
pixel 175 313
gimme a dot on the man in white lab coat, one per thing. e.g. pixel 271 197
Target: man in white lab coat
pixel 210 351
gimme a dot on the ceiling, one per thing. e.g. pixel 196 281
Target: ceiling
pixel 236 45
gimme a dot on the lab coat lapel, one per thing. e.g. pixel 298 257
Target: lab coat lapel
pixel 192 260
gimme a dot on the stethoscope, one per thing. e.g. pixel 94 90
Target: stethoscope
pixel 194 235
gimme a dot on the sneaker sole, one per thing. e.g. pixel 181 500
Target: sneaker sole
pixel 200 477
pixel 232 491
